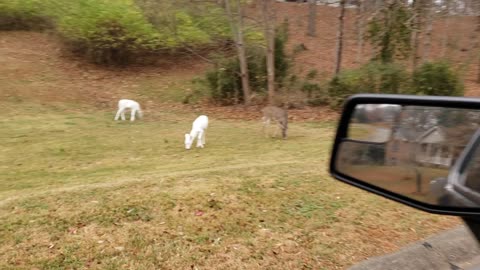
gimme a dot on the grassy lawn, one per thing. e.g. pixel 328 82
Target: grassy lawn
pixel 80 191
pixel 401 179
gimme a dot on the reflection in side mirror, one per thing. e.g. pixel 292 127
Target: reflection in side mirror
pixel 373 122
pixel 417 154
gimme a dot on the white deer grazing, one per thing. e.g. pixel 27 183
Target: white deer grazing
pixel 276 114
pixel 199 128
pixel 127 104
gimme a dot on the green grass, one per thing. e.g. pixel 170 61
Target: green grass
pixel 52 148
pixel 79 190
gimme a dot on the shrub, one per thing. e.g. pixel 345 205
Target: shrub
pixel 119 31
pixel 183 23
pixel 24 15
pixel 389 30
pixel 224 80
pixel 225 83
pixel 437 79
pixel 371 78
pixel 112 32
pixel 312 92
pixel 282 60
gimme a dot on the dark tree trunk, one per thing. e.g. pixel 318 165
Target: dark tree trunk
pixel 445 28
pixel 417 29
pixel 312 18
pixel 360 22
pixel 339 47
pixel 269 29
pixel 236 24
pixel 427 40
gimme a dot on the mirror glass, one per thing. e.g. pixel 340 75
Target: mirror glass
pixel 411 150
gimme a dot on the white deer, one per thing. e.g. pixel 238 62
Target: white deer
pixel 127 104
pixel 199 128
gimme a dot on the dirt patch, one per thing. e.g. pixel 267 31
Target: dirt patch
pixel 33 67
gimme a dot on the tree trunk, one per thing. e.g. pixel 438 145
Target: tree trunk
pixel 312 18
pixel 445 29
pixel 236 24
pixel 360 30
pixel 478 41
pixel 478 71
pixel 417 25
pixel 269 30
pixel 339 46
pixel 371 8
pixel 428 30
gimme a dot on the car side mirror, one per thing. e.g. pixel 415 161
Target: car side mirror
pixel 420 151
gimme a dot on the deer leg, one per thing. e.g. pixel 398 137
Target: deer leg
pixel 118 114
pixel 266 124
pixel 284 132
pixel 199 139
pixel 132 115
pixel 279 126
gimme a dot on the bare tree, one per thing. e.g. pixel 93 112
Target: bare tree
pixel 446 26
pixel 370 9
pixel 478 72
pixel 269 32
pixel 477 30
pixel 474 8
pixel 360 26
pixel 476 47
pixel 339 46
pixel 237 27
pixel 417 6
pixel 312 18
pixel 429 11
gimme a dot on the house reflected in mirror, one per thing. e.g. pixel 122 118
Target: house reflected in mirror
pixel 404 149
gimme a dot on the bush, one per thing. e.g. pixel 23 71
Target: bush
pixel 282 60
pixel 371 78
pixel 437 79
pixel 390 30
pixel 108 32
pixel 24 15
pixel 118 31
pixel 182 22
pixel 224 81
pixel 306 90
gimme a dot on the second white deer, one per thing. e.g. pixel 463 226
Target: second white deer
pixel 127 104
pixel 199 128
